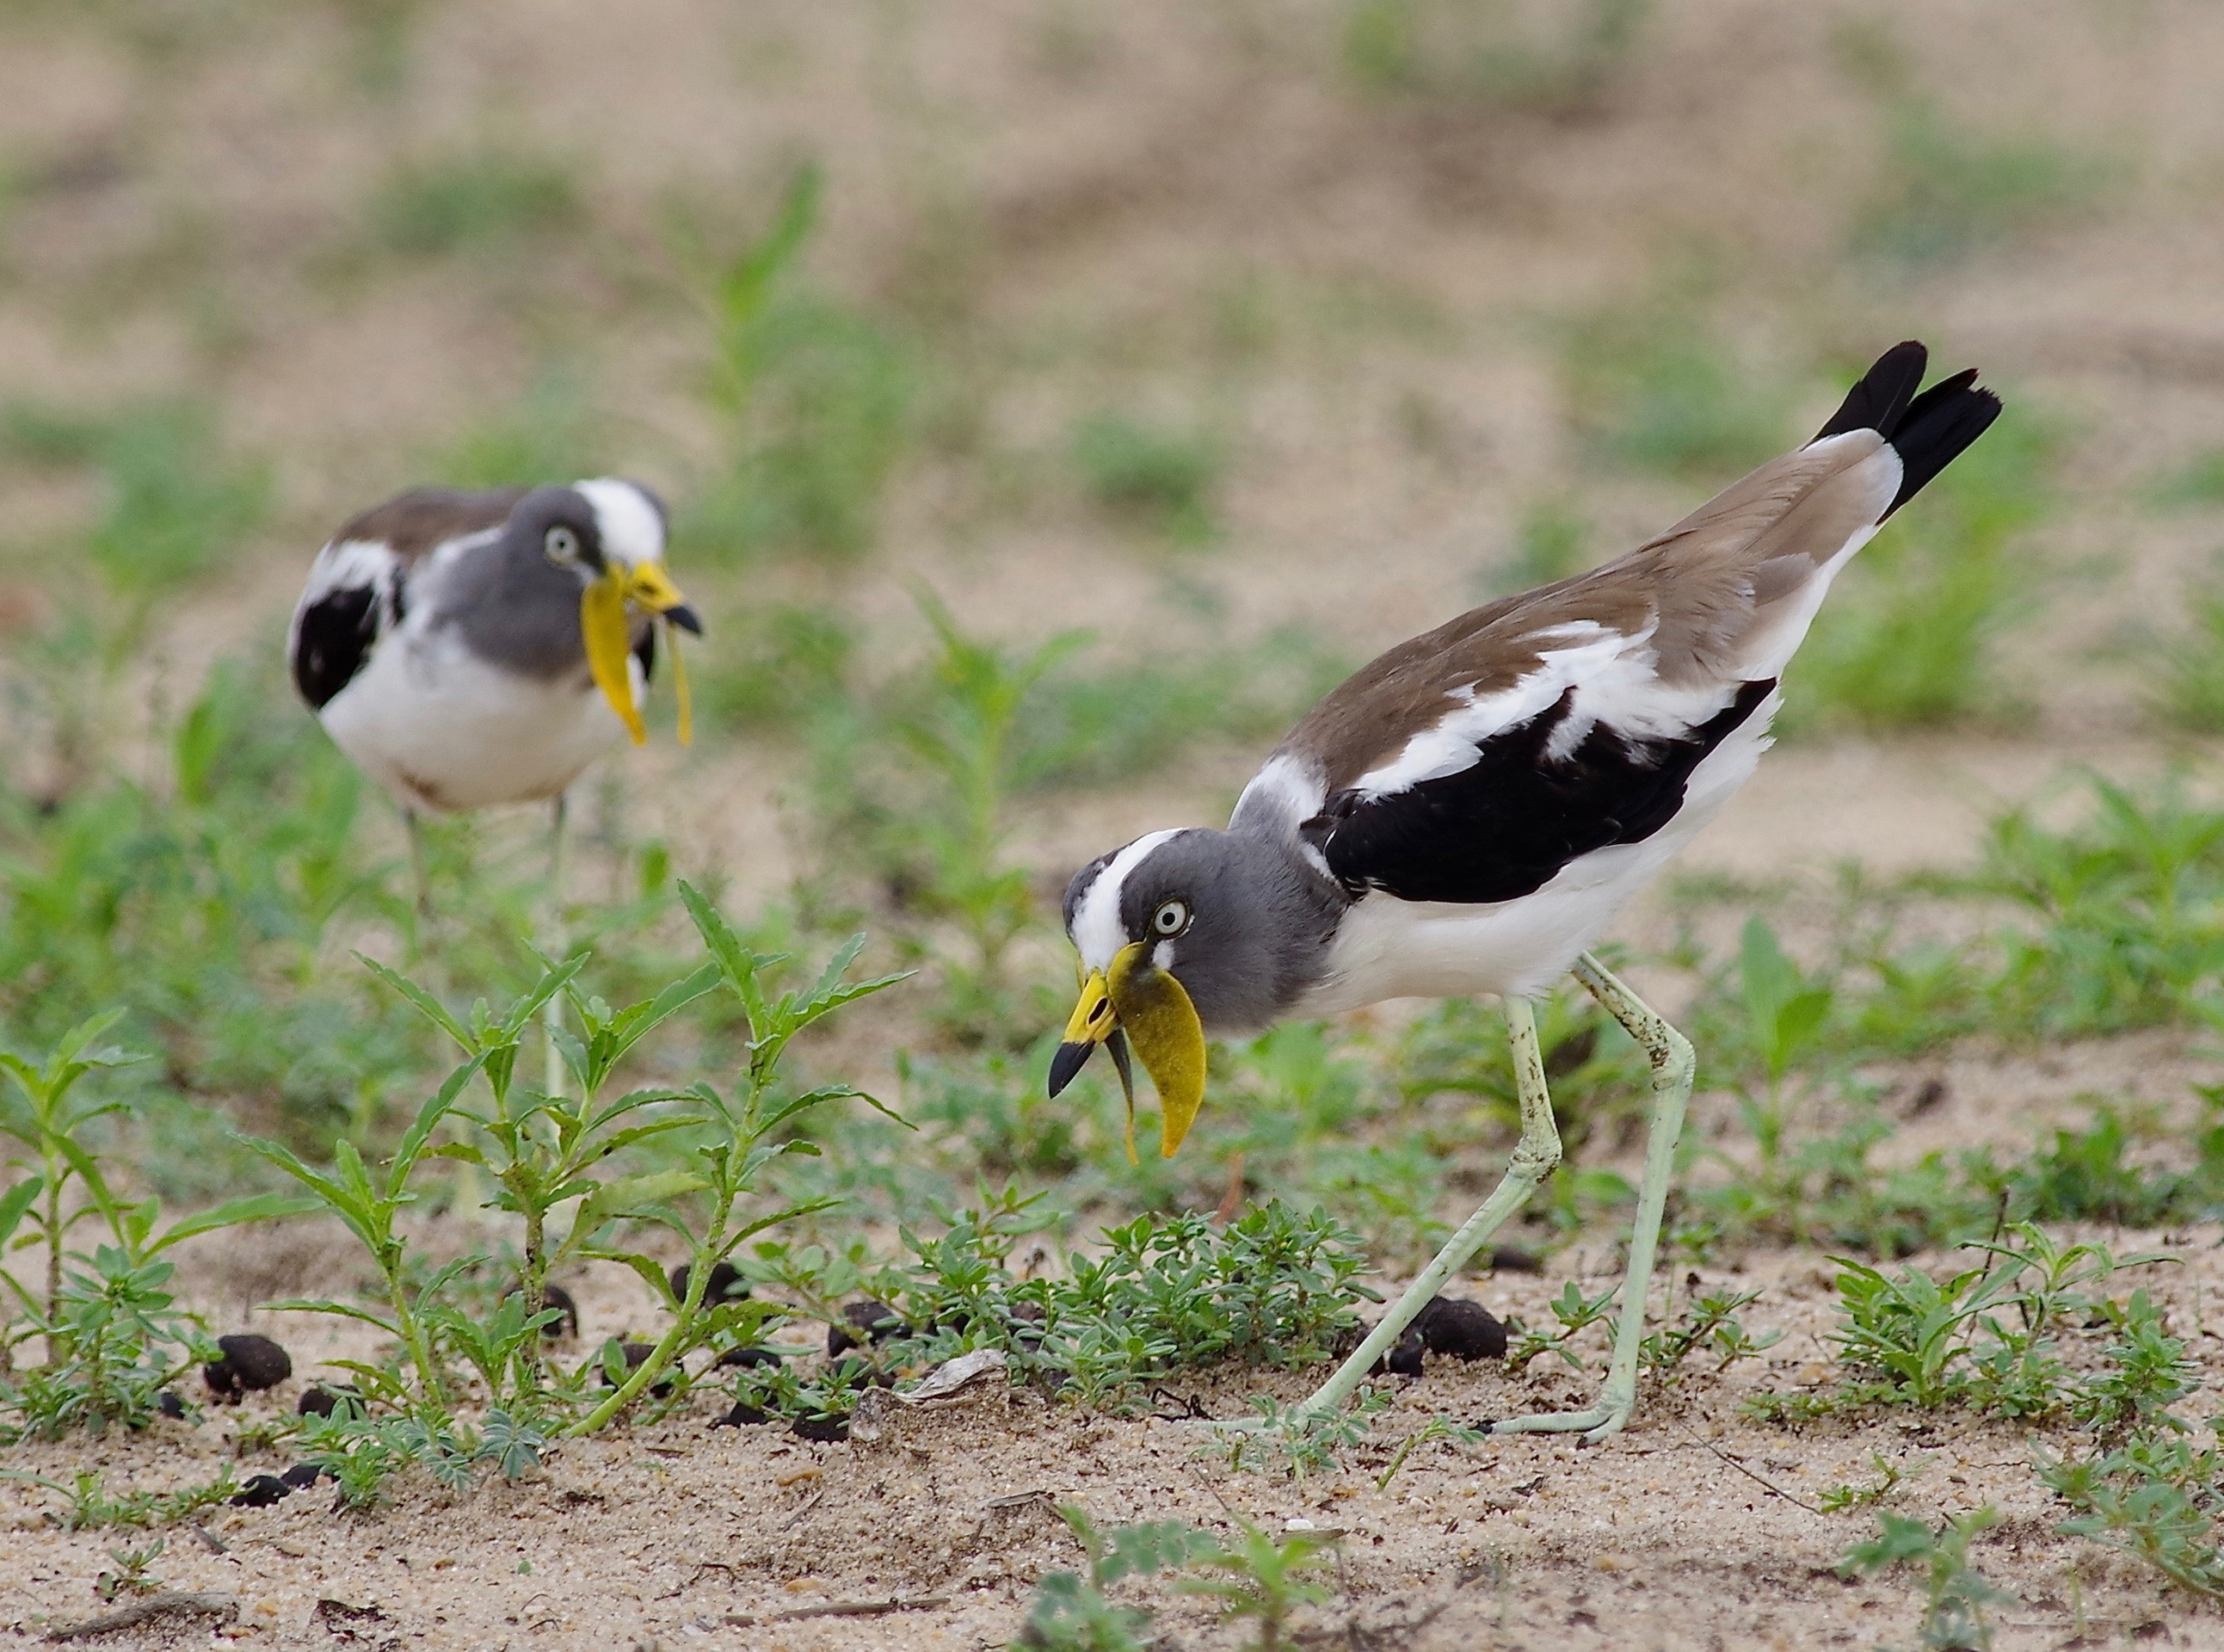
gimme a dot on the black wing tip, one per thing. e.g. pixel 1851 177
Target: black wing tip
pixel 1878 402
pixel 1938 428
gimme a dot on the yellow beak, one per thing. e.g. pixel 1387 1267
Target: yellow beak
pixel 1136 1000
pixel 603 627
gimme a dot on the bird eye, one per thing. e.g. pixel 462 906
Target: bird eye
pixel 561 546
pixel 1171 919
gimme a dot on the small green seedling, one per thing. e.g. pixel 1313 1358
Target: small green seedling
pixel 1890 1477
pixel 1955 1594
pixel 1265 1581
pixel 130 1576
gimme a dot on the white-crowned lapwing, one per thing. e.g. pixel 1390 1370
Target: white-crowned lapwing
pixel 1468 812
pixel 467 649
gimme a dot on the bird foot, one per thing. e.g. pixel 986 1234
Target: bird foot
pixel 1595 1425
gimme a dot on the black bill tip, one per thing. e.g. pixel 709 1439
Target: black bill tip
pixel 1069 1062
pixel 683 615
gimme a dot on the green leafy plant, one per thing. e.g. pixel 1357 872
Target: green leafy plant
pixel 1150 477
pixel 93 1507
pixel 813 396
pixel 1263 1580
pixel 1069 1612
pixel 479 200
pixel 1956 1596
pixel 2156 1497
pixel 1475 54
pixel 1890 1477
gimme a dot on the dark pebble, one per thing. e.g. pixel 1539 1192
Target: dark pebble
pixel 557 1297
pixel 249 1364
pixel 868 1319
pixel 748 1357
pixel 742 1416
pixel 635 1352
pixel 725 1284
pixel 301 1476
pixel 1463 1329
pixel 1405 1356
pixel 261 1492
pixel 170 1405
pixel 318 1400
pixel 826 1430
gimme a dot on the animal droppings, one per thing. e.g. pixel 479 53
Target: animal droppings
pixel 261 1492
pixel 557 1297
pixel 826 1430
pixel 301 1476
pixel 318 1401
pixel 747 1358
pixel 1511 1259
pixel 743 1416
pixel 249 1365
pixel 724 1285
pixel 868 1319
pixel 170 1405
pixel 635 1353
pixel 1463 1329
pixel 1405 1358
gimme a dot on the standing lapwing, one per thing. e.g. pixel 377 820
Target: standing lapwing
pixel 1467 813
pixel 467 649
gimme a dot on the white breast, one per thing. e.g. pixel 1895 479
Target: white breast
pixel 442 730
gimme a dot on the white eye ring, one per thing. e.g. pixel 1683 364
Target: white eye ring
pixel 1171 919
pixel 561 546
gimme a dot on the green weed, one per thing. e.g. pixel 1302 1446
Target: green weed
pixel 1907 640
pixel 488 198
pixel 543 1150
pixel 1944 192
pixel 1262 1580
pixel 1071 1613
pixel 1956 1596
pixel 93 1507
pixel 812 397
pixel 1554 62
pixel 1653 384
pixel 1150 477
pixel 2156 1496
pixel 1890 1477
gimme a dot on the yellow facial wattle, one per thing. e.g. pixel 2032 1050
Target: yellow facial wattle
pixel 1137 1000
pixel 606 631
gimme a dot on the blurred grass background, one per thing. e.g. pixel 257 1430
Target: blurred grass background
pixel 1054 396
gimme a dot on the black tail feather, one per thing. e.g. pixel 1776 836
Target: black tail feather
pixel 1938 425
pixel 1929 431
pixel 1878 402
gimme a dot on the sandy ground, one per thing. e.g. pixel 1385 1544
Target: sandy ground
pixel 184 216
pixel 1696 1529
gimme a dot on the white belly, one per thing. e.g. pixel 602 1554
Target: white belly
pixel 1388 948
pixel 441 730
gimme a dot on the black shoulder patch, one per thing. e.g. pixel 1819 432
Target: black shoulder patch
pixel 333 641
pixel 1505 827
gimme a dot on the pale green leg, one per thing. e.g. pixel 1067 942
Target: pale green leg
pixel 1534 1155
pixel 552 942
pixel 1673 1064
pixel 419 875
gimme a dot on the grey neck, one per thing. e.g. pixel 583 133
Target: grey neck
pixel 516 609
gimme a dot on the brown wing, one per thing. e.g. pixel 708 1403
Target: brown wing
pixel 411 524
pixel 1726 594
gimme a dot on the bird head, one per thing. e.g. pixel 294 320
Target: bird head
pixel 1179 933
pixel 610 535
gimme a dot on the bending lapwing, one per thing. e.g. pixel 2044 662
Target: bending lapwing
pixel 468 649
pixel 1468 812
